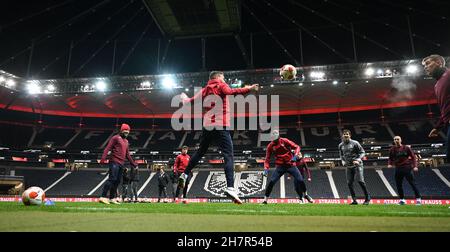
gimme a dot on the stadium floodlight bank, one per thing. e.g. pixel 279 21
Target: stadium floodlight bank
pixel 266 77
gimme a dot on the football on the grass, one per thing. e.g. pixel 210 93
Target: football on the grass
pixel 33 196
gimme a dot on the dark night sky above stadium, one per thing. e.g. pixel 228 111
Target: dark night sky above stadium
pixel 383 22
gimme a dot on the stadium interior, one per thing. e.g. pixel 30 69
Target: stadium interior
pixel 55 125
pixel 45 147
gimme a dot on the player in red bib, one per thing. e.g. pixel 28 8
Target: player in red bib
pixel 284 162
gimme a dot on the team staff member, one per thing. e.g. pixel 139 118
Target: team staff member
pixel 163 181
pixel 134 182
pixel 351 154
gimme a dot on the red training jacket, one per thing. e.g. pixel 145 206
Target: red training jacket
pixel 221 89
pixel 282 150
pixel 181 162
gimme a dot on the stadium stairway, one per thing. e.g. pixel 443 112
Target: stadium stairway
pixel 445 171
pixel 319 187
pixel 77 183
pixel 428 183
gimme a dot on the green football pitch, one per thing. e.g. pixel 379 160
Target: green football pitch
pixel 222 217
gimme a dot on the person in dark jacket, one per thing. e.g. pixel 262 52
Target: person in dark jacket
pixel 126 184
pixel 134 182
pixel 163 181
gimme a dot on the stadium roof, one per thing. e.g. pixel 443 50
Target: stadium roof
pixel 194 18
pixel 322 98
pixel 87 38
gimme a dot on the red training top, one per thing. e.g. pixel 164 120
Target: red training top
pixel 402 157
pixel 181 162
pixel 442 90
pixel 282 150
pixel 221 89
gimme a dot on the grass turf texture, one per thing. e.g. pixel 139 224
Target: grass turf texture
pixel 227 217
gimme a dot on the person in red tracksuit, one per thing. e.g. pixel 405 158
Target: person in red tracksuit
pixel 215 127
pixel 118 145
pixel 405 162
pixel 284 162
pixel 179 167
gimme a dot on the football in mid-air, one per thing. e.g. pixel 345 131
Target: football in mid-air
pixel 33 196
pixel 288 72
